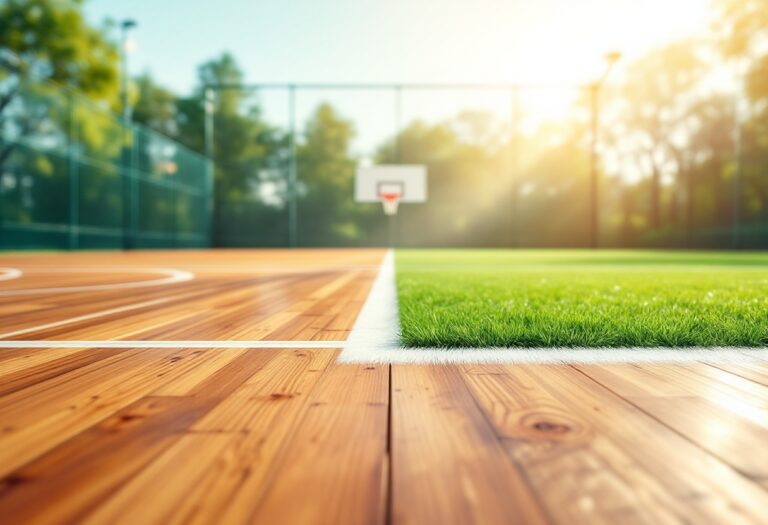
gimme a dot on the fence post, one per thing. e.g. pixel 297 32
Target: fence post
pixel 209 107
pixel 74 175
pixel 292 178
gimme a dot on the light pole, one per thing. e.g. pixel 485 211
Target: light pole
pixel 126 47
pixel 130 213
pixel 594 182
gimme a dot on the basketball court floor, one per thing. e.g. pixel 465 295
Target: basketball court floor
pixel 205 387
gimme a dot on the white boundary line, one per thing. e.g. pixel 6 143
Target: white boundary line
pixel 377 328
pixel 6 274
pixel 544 356
pixel 375 339
pixel 172 276
pixel 171 344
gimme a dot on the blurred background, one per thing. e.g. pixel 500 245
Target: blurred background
pixel 565 124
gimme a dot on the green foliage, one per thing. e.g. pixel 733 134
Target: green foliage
pixel 249 155
pixel 326 168
pixel 482 298
pixel 155 106
pixel 51 40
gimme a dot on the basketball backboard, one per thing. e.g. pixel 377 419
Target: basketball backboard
pixel 391 184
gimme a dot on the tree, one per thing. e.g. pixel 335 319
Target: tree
pixel 656 114
pixel 156 107
pixel 326 172
pixel 51 40
pixel 249 157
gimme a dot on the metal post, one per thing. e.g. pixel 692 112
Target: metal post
pixel 398 121
pixel 124 106
pixel 209 107
pixel 74 178
pixel 594 211
pixel 514 163
pixel 392 219
pixel 125 26
pixel 126 157
pixel 134 182
pixel 738 143
pixel 292 190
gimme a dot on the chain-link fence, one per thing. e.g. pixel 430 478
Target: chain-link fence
pixel 73 175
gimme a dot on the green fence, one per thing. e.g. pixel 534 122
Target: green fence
pixel 72 175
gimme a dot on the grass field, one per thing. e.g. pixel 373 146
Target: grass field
pixel 542 298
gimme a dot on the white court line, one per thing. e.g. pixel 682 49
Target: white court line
pixel 375 338
pixel 86 317
pixel 173 276
pixel 6 274
pixel 521 356
pixel 555 356
pixel 171 344
pixel 377 328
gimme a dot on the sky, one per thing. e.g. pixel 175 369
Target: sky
pixel 559 42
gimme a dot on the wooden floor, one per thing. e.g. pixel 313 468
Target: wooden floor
pixel 282 436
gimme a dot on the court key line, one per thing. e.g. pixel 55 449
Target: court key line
pixel 173 276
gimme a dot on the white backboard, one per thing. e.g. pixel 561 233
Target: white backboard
pixel 371 181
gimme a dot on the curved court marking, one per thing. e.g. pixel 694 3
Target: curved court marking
pixel 6 274
pixel 172 276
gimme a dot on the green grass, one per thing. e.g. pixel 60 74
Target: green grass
pixel 542 298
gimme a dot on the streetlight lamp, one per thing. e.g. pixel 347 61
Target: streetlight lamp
pixel 595 88
pixel 126 47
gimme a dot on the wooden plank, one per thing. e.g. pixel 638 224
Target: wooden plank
pixel 31 375
pixel 209 366
pixel 334 468
pixel 756 371
pixel 705 489
pixel 729 427
pixel 40 417
pixel 217 472
pixel 63 484
pixel 76 476
pixel 447 464
pixel 579 473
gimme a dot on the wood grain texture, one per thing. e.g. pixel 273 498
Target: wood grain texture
pixel 449 467
pixel 216 435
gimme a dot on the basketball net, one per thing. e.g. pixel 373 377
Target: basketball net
pixel 390 202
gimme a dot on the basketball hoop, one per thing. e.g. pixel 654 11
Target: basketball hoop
pixel 390 202
pixel 390 185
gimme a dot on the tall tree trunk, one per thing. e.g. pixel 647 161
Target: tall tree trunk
pixel 690 227
pixel 627 237
pixel 656 198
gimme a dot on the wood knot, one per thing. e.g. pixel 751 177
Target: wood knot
pixel 553 428
pixel 13 480
pixel 279 395
pixel 551 425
